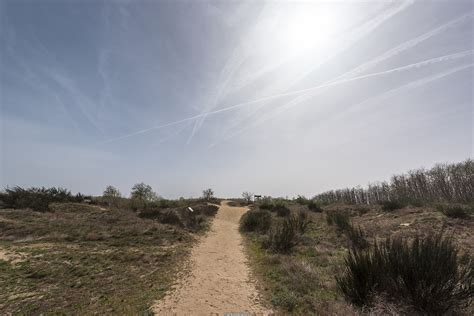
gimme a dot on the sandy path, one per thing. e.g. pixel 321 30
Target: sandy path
pixel 219 280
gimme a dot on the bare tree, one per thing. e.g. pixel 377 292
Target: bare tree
pixel 208 194
pixel 247 196
pixel 442 183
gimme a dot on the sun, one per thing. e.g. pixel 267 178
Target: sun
pixel 297 30
pixel 304 30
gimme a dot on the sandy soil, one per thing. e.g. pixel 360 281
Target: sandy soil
pixel 219 279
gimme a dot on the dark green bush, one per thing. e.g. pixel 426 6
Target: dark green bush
pixel 340 218
pixel 37 199
pixel 259 220
pixel 424 273
pixel 456 211
pixel 392 205
pixel 356 237
pixel 314 206
pixel 170 217
pixel 266 206
pixel 302 200
pixel 301 221
pixel 283 237
pixel 281 209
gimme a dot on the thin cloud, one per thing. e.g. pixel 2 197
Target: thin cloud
pixel 296 92
pixel 359 106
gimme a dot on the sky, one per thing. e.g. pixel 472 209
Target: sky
pixel 276 98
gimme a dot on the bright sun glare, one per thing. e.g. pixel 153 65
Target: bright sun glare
pixel 304 30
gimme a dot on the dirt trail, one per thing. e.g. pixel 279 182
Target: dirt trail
pixel 219 280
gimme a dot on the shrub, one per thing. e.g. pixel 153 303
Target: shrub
pixel 340 218
pixel 281 209
pixel 357 237
pixel 301 221
pixel 259 220
pixel 361 210
pixel 314 206
pixel 425 274
pixel 170 217
pixel 391 205
pixel 266 206
pixel 283 237
pixel 302 200
pixel 455 211
pixel 38 199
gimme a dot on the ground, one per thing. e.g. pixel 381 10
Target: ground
pixel 219 278
pixel 86 259
pixel 83 259
pixel 303 281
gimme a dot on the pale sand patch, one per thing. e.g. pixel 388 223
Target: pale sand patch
pixel 219 280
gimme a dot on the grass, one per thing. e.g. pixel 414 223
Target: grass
pixel 84 259
pixel 303 281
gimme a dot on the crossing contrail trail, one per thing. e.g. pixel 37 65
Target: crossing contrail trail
pixel 363 31
pixel 386 94
pixel 296 92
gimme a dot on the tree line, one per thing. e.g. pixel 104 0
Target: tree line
pixel 443 183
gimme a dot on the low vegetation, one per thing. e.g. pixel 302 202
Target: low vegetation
pixel 317 268
pixel 424 273
pixel 256 221
pixel 100 256
pixel 456 211
pixel 283 236
pixel 37 199
pixel 391 205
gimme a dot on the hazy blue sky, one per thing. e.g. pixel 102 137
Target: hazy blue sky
pixel 278 98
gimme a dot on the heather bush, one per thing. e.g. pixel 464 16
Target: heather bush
pixel 281 209
pixel 339 218
pixel 391 205
pixel 37 199
pixel 256 221
pixel 314 206
pixel 456 211
pixel 424 273
pixel 283 237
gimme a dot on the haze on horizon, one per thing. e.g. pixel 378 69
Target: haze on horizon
pixel 276 98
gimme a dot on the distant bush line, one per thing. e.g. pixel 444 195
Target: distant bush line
pixel 37 199
pixel 452 183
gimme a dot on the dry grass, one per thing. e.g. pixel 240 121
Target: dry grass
pixel 83 259
pixel 303 281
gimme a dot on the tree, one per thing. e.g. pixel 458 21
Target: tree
pixel 208 194
pixel 111 194
pixel 143 192
pixel 247 197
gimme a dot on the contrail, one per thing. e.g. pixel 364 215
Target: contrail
pixel 366 28
pixel 392 52
pixel 409 44
pixel 229 69
pixel 386 94
pixel 296 92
